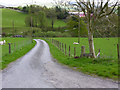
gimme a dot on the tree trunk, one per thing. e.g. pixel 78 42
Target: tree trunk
pixel 91 42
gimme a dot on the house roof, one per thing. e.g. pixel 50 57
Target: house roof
pixel 81 14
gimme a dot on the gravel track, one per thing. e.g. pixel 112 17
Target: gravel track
pixel 37 69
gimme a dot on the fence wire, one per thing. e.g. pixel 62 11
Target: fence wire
pixel 107 46
pixel 14 46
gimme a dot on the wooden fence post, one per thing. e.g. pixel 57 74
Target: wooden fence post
pixel 118 51
pixel 82 51
pixel 62 47
pixel 9 47
pixel 69 50
pixel 52 41
pixel 65 50
pixel 74 51
pixel 15 46
pixel 58 45
pixel 55 42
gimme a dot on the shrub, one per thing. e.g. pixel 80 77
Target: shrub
pixel 51 34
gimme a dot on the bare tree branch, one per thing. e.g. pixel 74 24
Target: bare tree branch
pixel 109 12
pixel 102 8
pixel 83 9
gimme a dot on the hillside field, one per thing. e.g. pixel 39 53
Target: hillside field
pixel 8 16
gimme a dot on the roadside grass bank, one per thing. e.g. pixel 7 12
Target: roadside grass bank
pixel 23 45
pixel 103 67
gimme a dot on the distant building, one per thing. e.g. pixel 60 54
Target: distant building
pixel 81 14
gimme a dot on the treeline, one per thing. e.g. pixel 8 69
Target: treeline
pixel 58 11
pixel 38 15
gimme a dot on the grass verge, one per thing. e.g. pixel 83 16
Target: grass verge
pixel 15 55
pixel 106 68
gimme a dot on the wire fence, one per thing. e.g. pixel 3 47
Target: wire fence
pixel 67 49
pixel 11 47
pixel 109 51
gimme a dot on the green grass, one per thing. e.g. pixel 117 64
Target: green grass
pixel 8 16
pixel 23 45
pixel 103 67
pixel 107 46
pixel 17 30
pixel 57 23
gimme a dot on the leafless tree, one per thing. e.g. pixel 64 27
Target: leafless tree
pixel 93 12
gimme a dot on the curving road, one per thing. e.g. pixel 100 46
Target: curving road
pixel 37 69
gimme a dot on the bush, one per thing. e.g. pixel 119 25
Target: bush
pixel 39 34
pixel 51 34
pixel 57 34
pixel 66 34
pixel 3 34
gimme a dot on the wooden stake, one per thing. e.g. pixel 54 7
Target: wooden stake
pixel 69 50
pixel 82 51
pixel 9 47
pixel 74 51
pixel 62 47
pixel 15 46
pixel 65 50
pixel 118 51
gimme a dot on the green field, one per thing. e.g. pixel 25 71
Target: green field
pixel 107 46
pixel 106 66
pixel 57 23
pixel 8 16
pixel 19 47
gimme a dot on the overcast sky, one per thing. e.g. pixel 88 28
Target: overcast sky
pixel 27 2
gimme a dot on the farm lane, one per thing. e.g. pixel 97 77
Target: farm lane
pixel 37 69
